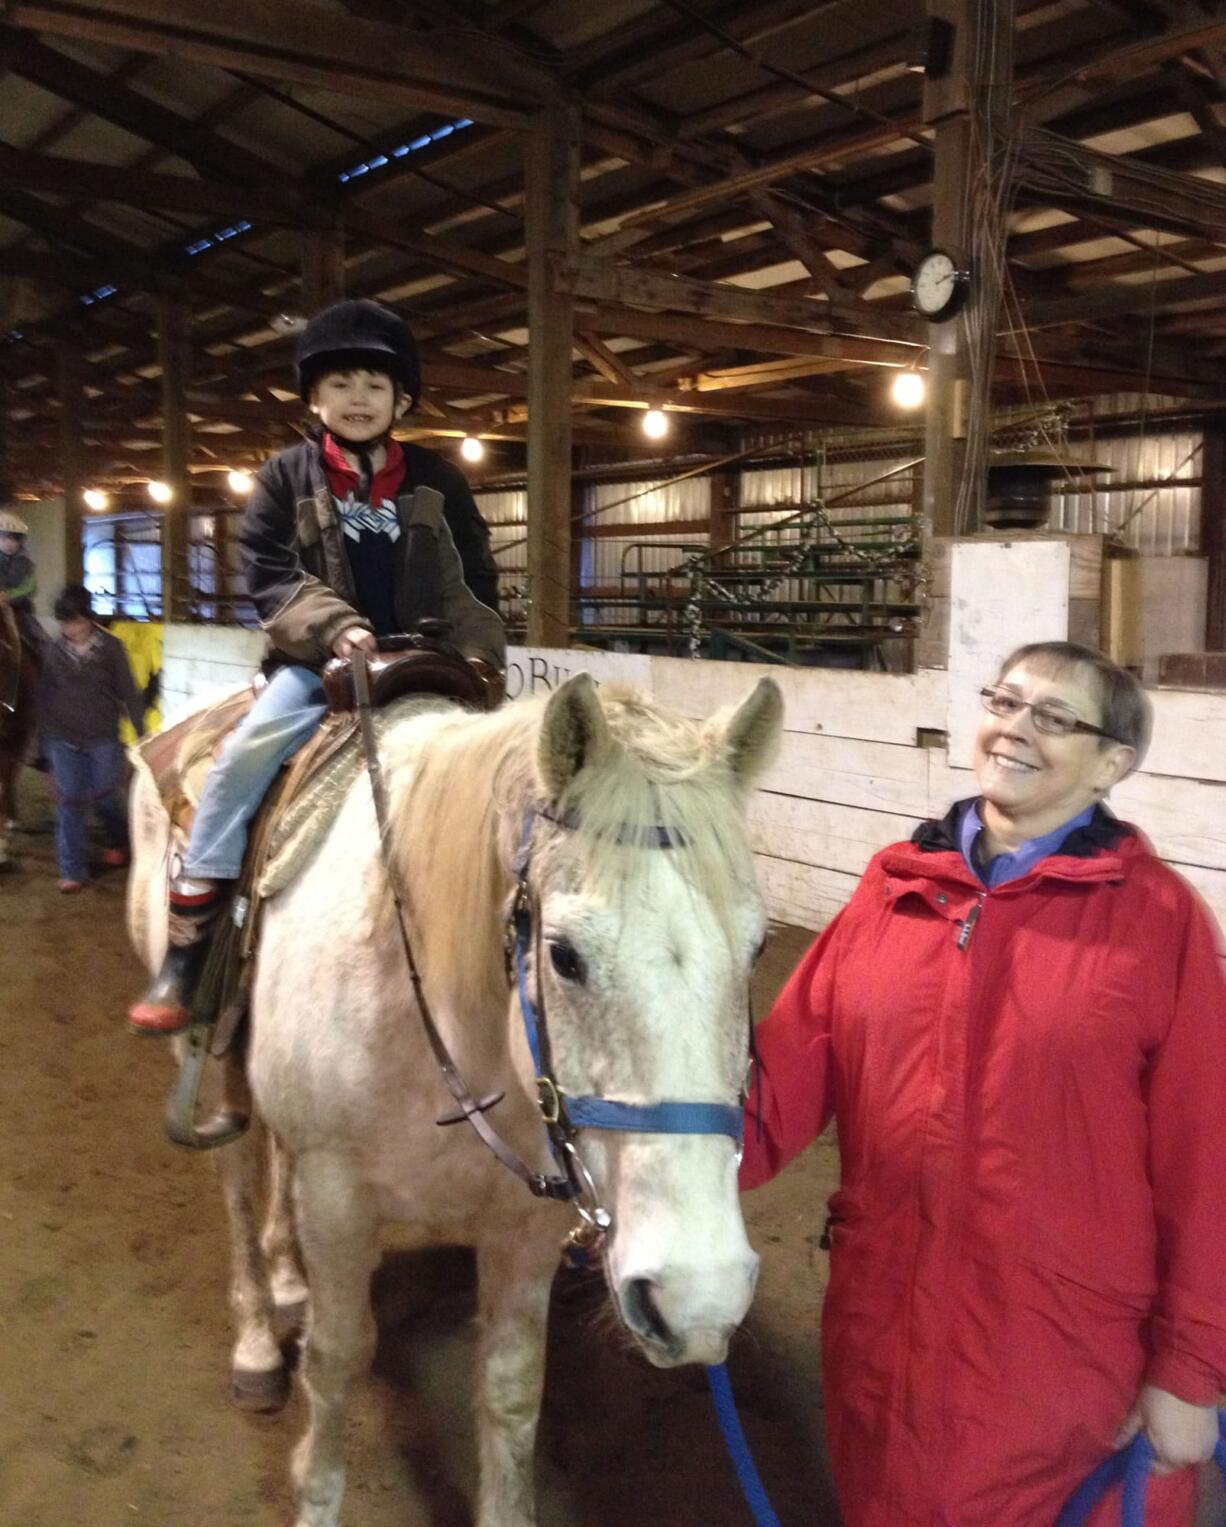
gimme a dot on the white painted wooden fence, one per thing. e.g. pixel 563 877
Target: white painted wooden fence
pixel 851 775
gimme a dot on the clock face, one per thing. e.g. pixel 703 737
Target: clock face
pixel 935 284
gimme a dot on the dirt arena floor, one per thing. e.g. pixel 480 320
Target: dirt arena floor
pixel 114 1337
pixel 114 1334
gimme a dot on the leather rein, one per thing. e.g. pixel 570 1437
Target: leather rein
pixel 562 1114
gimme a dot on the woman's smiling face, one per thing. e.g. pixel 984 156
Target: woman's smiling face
pixel 1036 780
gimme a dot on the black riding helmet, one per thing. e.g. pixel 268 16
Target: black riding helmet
pixel 356 334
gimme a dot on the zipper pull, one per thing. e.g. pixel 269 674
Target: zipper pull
pixel 968 924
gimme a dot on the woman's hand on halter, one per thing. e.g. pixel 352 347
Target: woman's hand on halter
pixel 1181 1434
pixel 355 636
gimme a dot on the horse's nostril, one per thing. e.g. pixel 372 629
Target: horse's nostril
pixel 642 1312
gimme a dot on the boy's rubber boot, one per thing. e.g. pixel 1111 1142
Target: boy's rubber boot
pixel 166 1006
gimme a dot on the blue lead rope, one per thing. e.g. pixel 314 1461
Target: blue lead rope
pixel 1131 1466
pixel 738 1448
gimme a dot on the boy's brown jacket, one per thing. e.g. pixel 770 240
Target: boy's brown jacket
pixel 298 574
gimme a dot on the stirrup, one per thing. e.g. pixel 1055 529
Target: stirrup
pixel 227 1124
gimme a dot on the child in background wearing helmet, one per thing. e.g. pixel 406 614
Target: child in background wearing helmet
pixel 18 583
pixel 84 688
pixel 345 538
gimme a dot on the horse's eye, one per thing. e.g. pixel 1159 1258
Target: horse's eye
pixel 565 960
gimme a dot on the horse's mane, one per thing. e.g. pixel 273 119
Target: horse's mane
pixel 457 803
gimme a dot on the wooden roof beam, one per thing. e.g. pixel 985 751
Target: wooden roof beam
pixel 99 93
pixel 765 338
pixel 134 188
pixel 1140 58
pixel 603 281
pixel 310 43
pixel 1136 297
pixel 1200 101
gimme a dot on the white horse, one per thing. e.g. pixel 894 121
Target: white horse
pixel 649 924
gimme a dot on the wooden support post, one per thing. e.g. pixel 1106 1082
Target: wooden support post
pixel 966 95
pixel 72 455
pixel 725 500
pixel 323 267
pixel 1213 534
pixel 174 357
pixel 551 175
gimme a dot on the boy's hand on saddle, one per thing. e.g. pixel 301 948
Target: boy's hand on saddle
pixel 1180 1433
pixel 355 636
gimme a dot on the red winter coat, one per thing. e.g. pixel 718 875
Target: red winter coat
pixel 1029 1085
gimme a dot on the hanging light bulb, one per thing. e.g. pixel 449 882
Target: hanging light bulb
pixel 472 449
pixel 655 424
pixel 240 482
pixel 96 499
pixel 161 492
pixel 908 389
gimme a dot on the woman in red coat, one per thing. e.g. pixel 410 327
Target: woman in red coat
pixel 1019 1024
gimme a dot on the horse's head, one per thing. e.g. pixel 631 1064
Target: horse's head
pixel 649 924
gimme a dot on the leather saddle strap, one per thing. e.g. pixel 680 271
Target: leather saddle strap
pixel 470 1107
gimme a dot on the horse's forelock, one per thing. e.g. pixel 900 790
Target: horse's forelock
pixel 466 781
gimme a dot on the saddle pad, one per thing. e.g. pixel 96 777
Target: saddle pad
pixel 178 759
pixel 310 808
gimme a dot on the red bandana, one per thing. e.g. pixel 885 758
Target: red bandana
pixel 343 478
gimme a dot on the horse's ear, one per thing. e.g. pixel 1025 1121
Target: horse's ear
pixel 751 735
pixel 573 734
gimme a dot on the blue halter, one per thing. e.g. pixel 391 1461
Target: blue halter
pixel 567 1111
pixel 1130 1465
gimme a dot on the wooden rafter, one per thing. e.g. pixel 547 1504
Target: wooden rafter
pixel 311 44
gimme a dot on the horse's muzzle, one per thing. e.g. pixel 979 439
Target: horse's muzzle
pixel 675 1326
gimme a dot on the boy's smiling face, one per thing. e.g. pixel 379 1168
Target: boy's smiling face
pixel 357 405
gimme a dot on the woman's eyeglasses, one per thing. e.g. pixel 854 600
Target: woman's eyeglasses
pixel 1049 715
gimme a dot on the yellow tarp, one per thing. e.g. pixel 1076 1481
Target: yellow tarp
pixel 142 641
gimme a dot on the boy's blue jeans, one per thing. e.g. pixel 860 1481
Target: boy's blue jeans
pixel 288 710
pixel 85 775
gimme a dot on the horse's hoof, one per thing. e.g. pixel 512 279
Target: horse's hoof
pixel 263 1391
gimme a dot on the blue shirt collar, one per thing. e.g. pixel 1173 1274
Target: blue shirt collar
pixel 1006 867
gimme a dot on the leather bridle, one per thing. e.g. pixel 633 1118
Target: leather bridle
pixel 563 1114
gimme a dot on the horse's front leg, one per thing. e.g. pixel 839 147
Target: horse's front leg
pixel 338 1235
pixel 515 1274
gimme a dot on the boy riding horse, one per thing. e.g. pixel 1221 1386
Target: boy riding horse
pixel 346 538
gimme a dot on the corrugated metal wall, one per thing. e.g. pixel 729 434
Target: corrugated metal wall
pixel 506 513
pixel 1159 521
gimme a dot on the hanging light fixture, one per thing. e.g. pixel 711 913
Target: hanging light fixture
pixel 655 424
pixel 160 492
pixel 472 449
pixel 96 499
pixel 240 482
pixel 908 389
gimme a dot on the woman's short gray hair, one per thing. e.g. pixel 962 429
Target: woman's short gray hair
pixel 1127 714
